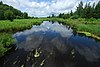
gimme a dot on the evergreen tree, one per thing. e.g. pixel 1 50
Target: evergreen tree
pixel 71 13
pixel 97 11
pixel 80 9
pixel 1 3
pixel 88 11
pixel 53 15
pixel 25 15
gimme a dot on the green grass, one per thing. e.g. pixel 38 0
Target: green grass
pixel 6 42
pixel 18 25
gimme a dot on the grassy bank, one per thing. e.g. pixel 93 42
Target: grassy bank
pixel 7 29
pixel 18 24
pixel 85 26
pixel 6 42
pixel 90 27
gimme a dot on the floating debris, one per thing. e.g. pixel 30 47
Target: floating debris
pixel 14 62
pixel 36 54
pixel 42 63
pixel 73 52
pixel 33 65
pixel 22 65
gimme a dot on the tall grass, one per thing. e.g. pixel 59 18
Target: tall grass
pixel 17 25
pixel 6 42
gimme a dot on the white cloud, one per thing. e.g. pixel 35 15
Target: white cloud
pixel 44 8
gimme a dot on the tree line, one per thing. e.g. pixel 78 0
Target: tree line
pixel 10 13
pixel 87 11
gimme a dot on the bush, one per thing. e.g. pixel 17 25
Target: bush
pixel 92 19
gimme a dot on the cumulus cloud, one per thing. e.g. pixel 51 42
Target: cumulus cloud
pixel 41 8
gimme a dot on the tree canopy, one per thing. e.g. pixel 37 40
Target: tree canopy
pixel 6 10
pixel 9 15
pixel 88 11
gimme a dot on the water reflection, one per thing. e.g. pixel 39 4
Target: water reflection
pixel 52 45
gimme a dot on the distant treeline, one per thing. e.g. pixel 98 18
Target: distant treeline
pixel 10 13
pixel 86 11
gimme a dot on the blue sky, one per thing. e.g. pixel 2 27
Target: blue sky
pixel 42 8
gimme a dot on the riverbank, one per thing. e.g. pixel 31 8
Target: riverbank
pixel 7 29
pixel 84 26
pixel 90 27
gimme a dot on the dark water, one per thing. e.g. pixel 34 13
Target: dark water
pixel 52 45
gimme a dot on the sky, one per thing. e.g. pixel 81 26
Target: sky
pixel 43 8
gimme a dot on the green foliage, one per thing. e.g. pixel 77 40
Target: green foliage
pixel 97 11
pixel 71 13
pixel 18 24
pixel 25 15
pixel 53 15
pixel 17 13
pixel 74 17
pixel 1 3
pixel 83 12
pixel 6 42
pixel 60 15
pixel 79 10
pixel 64 16
pixel 9 15
pixel 85 25
pixel 88 11
pixel 2 50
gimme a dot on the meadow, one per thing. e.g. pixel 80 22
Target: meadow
pixel 90 27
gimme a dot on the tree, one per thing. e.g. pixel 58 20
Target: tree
pixel 1 3
pixel 60 15
pixel 53 15
pixel 17 13
pixel 80 9
pixel 93 10
pixel 71 13
pixel 88 11
pixel 9 15
pixel 97 10
pixel 25 15
pixel 1 15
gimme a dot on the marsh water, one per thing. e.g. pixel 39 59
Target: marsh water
pixel 52 45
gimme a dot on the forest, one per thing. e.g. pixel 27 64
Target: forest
pixel 8 12
pixel 88 11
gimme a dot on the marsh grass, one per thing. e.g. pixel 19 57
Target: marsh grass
pixel 18 25
pixel 6 42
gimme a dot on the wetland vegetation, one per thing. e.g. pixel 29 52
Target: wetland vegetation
pixel 85 20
